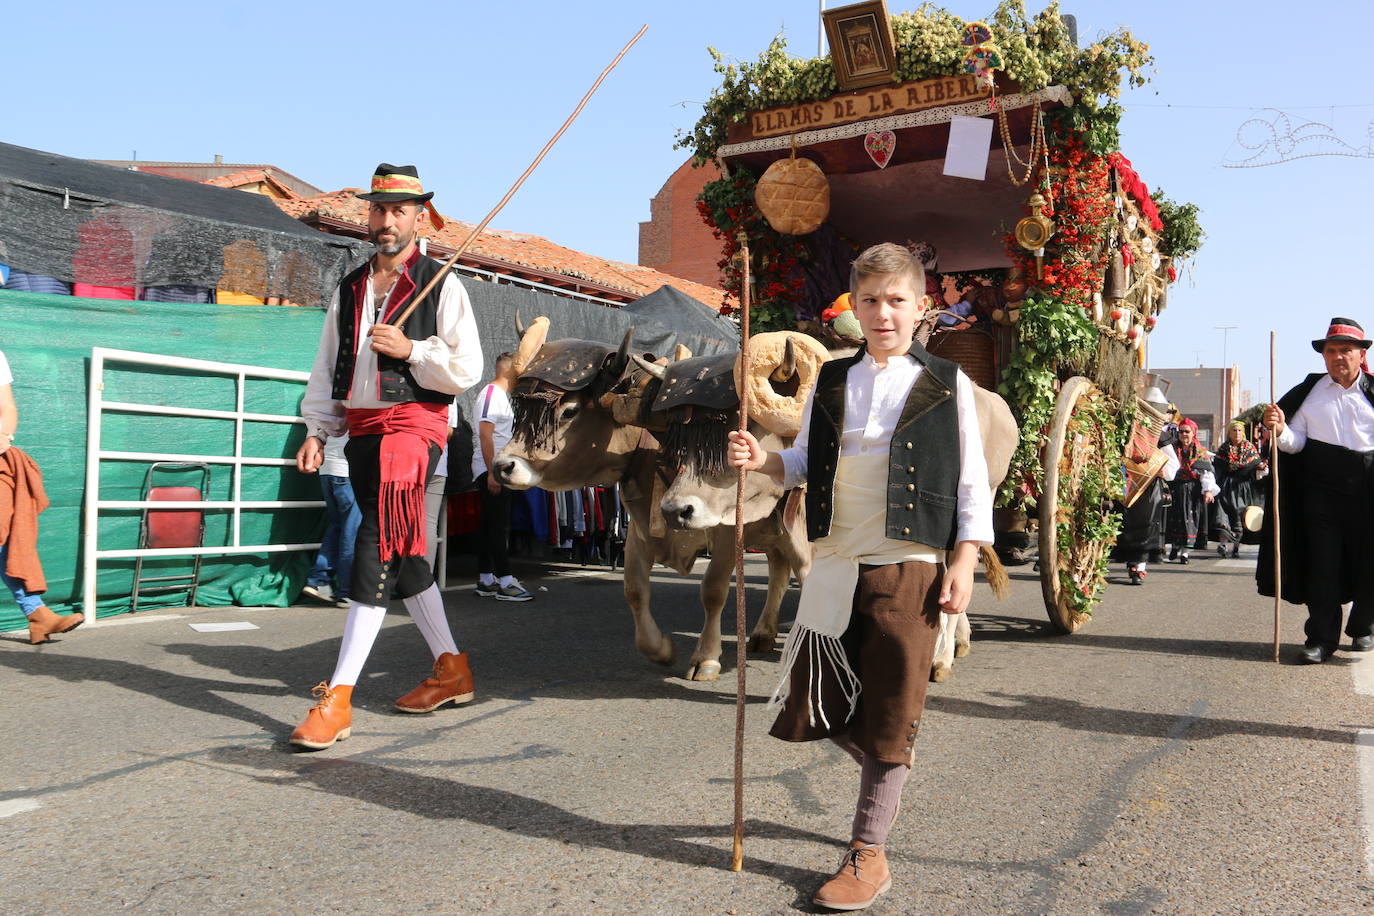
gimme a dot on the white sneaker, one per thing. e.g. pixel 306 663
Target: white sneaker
pixel 323 593
pixel 513 592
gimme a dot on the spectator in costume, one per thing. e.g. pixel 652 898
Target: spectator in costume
pixel 1192 490
pixel 1325 429
pixel 1236 465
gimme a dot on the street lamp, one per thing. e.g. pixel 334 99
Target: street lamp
pixel 1225 330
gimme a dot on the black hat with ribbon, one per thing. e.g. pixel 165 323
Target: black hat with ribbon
pixel 399 183
pixel 1344 330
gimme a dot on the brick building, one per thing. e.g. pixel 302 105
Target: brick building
pixel 675 240
pixel 1208 397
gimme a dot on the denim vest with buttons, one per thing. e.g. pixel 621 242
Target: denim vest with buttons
pixel 923 458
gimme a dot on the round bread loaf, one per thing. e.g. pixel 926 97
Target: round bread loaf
pixel 777 412
pixel 794 196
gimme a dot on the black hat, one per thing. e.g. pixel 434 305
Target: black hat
pixel 1346 330
pixel 396 183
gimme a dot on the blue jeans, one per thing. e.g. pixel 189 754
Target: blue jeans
pixel 336 550
pixel 28 602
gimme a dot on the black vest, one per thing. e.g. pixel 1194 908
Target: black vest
pixel 395 383
pixel 923 459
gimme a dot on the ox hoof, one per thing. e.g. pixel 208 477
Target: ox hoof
pixel 660 655
pixel 708 670
pixel 762 642
pixel 940 673
pixel 961 650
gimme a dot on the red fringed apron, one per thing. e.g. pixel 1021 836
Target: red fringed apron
pixel 407 431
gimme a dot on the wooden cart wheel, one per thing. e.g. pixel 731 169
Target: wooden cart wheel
pixel 1058 491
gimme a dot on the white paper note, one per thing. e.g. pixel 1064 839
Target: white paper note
pixel 222 627
pixel 970 141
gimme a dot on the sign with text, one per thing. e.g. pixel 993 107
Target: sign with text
pixel 878 102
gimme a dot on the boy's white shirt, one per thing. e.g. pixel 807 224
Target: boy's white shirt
pixel 873 401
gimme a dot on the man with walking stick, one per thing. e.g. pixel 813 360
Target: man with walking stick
pixel 1325 430
pixel 390 389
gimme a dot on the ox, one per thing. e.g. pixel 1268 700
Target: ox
pixel 577 409
pixel 704 500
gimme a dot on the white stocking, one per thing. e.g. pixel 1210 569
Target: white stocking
pixel 360 631
pixel 428 610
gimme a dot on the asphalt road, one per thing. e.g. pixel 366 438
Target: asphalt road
pixel 1155 762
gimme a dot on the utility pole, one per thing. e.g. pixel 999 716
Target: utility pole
pixel 1225 330
pixel 820 31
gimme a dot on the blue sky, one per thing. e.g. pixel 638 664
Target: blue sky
pixel 470 91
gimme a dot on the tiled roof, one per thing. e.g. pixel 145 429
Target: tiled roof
pixel 251 176
pixel 538 256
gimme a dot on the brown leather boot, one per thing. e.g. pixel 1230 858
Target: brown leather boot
pixel 330 720
pixel 450 683
pixel 43 623
pixel 863 875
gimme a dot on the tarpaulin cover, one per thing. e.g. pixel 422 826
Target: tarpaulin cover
pixel 678 310
pixel 48 341
pixel 85 222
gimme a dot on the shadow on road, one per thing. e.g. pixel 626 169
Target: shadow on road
pixel 444 799
pixel 1105 720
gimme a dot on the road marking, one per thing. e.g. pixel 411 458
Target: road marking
pixel 125 619
pixel 18 806
pixel 1362 670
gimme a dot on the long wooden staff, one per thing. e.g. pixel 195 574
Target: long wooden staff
pixel 737 859
pixel 1274 501
pixel 477 230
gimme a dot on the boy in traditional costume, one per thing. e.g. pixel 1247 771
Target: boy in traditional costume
pixel 897 505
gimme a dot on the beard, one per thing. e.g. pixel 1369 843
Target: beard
pixel 396 245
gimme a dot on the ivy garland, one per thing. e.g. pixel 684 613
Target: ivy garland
pixel 1036 53
pixel 1093 444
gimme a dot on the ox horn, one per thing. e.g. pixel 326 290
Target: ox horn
pixel 531 339
pixel 519 326
pixel 680 353
pixel 653 369
pixel 787 366
pixel 622 356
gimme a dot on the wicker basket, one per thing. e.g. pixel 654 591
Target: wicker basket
pixel 973 350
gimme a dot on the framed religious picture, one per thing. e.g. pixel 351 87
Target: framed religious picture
pixel 860 38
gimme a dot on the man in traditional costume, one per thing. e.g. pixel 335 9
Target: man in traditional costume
pixel 1325 429
pixel 1193 488
pixel 897 505
pixel 390 389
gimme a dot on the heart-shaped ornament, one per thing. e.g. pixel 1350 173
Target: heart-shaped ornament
pixel 880 145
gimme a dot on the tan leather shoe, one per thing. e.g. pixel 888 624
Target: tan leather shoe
pixel 331 720
pixel 43 622
pixel 863 875
pixel 450 683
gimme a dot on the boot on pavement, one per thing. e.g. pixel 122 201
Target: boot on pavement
pixel 330 720
pixel 43 622
pixel 450 683
pixel 862 876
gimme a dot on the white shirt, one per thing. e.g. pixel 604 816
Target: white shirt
pixel 1331 414
pixel 873 399
pixel 335 464
pixel 494 408
pixel 450 361
pixel 6 376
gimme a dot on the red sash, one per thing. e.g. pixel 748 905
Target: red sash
pixel 407 430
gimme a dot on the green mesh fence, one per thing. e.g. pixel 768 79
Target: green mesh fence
pixel 48 341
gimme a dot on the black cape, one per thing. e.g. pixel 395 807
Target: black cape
pixel 1291 476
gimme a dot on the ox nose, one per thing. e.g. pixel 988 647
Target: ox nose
pixel 684 515
pixel 504 467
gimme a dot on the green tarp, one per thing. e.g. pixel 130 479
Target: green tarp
pixel 48 341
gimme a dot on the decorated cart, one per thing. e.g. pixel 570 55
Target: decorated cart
pixel 990 149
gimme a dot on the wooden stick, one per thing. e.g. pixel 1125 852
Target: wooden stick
pixel 737 858
pixel 1274 498
pixel 477 230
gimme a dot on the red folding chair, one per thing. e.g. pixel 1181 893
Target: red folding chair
pixel 172 528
